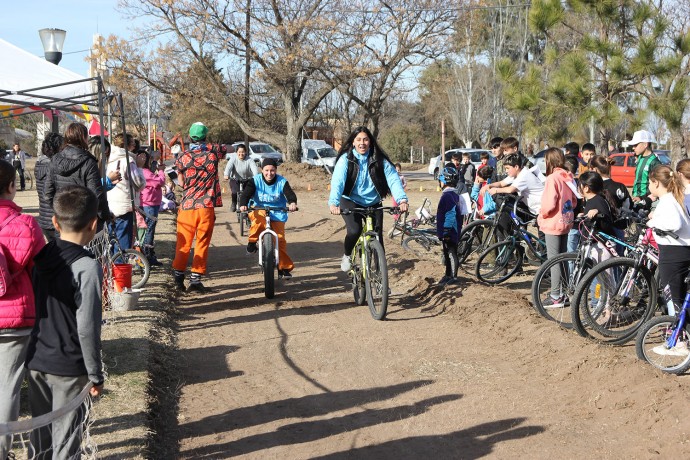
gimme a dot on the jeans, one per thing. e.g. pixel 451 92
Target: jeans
pixel 151 225
pixel 12 356
pixel 123 226
pixel 573 240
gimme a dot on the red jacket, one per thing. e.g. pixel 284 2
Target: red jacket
pixel 20 240
pixel 557 203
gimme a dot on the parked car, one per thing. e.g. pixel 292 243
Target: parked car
pixel 257 151
pixel 435 164
pixel 623 168
pixel 318 153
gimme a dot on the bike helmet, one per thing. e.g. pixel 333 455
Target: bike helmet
pixel 449 176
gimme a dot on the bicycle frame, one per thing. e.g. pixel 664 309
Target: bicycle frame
pixel 367 234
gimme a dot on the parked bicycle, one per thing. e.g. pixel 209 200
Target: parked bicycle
pixel 502 260
pixel 28 180
pixel 369 271
pixel 664 342
pixel 617 296
pixel 570 269
pixel 269 256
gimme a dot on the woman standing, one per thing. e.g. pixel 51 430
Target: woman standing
pixel 556 216
pixel 151 198
pixel 363 176
pixel 74 165
pixel 51 145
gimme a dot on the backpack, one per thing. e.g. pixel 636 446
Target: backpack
pixel 5 276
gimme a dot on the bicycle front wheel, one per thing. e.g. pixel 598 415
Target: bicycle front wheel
pixel 141 269
pixel 268 266
pixel 243 224
pixel 376 280
pixel 652 345
pixel 417 244
pixel 499 262
pixel 613 300
pixel 474 239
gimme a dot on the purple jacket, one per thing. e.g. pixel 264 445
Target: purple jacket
pixel 152 194
pixel 20 240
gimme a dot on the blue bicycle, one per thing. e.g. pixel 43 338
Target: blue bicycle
pixel 502 260
pixel 664 341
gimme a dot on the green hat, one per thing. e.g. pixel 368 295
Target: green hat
pixel 197 132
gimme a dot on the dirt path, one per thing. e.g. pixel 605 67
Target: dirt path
pixel 464 372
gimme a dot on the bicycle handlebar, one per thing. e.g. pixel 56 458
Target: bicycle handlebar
pixel 269 208
pixel 665 233
pixel 371 210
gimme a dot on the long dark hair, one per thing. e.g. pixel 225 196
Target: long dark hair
pixel 51 144
pixel 595 183
pixel 601 164
pixel 374 149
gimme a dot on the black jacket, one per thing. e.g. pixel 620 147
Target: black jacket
pixel 45 210
pixel 66 338
pixel 376 173
pixel 74 166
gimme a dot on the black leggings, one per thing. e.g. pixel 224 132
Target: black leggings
pixel 450 257
pixel 353 224
pixel 674 263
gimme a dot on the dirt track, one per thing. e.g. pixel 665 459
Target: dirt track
pixel 461 372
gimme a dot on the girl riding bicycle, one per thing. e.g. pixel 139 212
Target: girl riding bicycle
pixel 240 168
pixel 270 189
pixel 363 176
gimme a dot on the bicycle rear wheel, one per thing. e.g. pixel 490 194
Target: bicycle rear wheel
pixel 606 309
pixel 418 244
pixel 268 265
pixel 651 345
pixel 499 262
pixel 141 269
pixel 376 280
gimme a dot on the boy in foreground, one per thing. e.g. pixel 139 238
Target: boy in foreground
pixel 65 348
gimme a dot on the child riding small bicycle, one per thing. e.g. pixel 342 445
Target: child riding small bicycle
pixel 269 189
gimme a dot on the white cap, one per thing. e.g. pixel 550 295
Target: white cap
pixel 640 136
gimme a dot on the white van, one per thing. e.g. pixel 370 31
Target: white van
pixel 318 153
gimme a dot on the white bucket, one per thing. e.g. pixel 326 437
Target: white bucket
pixel 126 300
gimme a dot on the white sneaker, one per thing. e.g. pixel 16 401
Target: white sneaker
pixel 681 349
pixel 345 264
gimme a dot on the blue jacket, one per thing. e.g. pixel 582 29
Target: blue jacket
pixel 489 203
pixel 364 192
pixel 448 217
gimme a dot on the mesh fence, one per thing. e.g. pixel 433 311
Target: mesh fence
pixel 100 247
pixel 60 434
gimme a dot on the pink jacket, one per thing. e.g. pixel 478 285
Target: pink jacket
pixel 151 194
pixel 557 203
pixel 20 240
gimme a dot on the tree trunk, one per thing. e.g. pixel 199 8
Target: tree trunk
pixel 678 148
pixel 293 141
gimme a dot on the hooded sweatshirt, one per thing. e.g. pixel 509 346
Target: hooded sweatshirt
pixel 66 339
pixel 558 202
pixel 119 197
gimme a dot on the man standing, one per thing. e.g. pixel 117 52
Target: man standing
pixel 646 161
pixel 18 159
pixel 197 171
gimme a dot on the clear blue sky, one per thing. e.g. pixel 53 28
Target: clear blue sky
pixel 80 18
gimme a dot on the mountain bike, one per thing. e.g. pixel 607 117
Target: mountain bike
pixel 242 217
pixel 617 296
pixel 269 255
pixel 502 260
pixel 569 268
pixel 369 271
pixel 664 341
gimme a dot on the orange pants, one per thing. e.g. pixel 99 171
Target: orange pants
pixel 190 224
pixel 258 219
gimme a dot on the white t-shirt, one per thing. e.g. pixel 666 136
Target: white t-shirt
pixel 530 189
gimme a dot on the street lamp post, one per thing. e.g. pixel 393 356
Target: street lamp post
pixel 52 40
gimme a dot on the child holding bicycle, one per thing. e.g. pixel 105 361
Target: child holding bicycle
pixel 449 222
pixel 270 189
pixel 671 215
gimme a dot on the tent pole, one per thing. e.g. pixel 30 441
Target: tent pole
pixel 55 124
pixel 99 84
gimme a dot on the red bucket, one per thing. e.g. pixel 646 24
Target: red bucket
pixel 122 276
